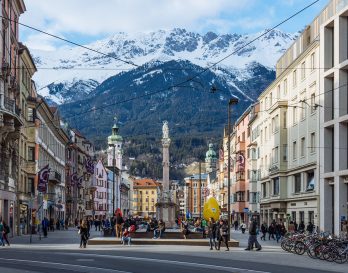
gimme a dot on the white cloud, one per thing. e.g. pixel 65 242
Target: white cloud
pixel 102 17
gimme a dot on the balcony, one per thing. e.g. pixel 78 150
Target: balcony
pixel 240 146
pixel 240 176
pixel 239 186
pixel 55 177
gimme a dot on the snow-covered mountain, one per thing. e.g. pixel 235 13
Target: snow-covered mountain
pixel 70 73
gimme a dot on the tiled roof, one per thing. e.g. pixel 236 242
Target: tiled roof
pixel 145 182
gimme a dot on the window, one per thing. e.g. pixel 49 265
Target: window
pixel 275 155
pixel 312 148
pixel 312 61
pixel 303 70
pixel 294 79
pixel 303 110
pixel 310 181
pixel 30 115
pixel 270 99
pixel 263 190
pixel 278 92
pixel 31 188
pixel 31 154
pixel 152 192
pixel 312 103
pixel 303 148
pixel 284 120
pixel 253 197
pixel 285 152
pixel 285 89
pixel 297 178
pixel 294 150
pixel 294 115
pixel 276 186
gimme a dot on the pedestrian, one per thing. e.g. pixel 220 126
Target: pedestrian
pixel 291 227
pixel 1 233
pixel 211 233
pixel 158 232
pixel 243 227
pixel 224 233
pixel 83 231
pixel 185 229
pixel 310 228
pixel 301 227
pixel 119 223
pixel 5 232
pixel 45 225
pixel 263 231
pixel 204 227
pixel 235 225
pixel 66 224
pixel 296 226
pixel 253 236
pixel 271 231
pixel 126 237
pixel 278 231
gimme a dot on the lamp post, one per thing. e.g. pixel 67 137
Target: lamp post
pixel 113 177
pixel 231 102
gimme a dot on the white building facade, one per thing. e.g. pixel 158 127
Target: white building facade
pixel 333 107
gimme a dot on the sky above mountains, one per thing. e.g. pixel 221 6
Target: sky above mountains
pixel 84 21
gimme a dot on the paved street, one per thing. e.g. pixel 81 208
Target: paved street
pixel 60 253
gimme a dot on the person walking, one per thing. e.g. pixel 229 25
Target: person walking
pixel 243 227
pixel 235 225
pixel 5 231
pixel 253 236
pixel 271 231
pixel 1 233
pixel 119 223
pixel 224 233
pixel 211 233
pixel 263 231
pixel 83 231
pixel 45 225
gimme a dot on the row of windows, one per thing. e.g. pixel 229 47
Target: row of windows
pixel 270 100
pixel 300 182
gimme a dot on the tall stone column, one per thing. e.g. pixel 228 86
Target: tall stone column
pixel 165 204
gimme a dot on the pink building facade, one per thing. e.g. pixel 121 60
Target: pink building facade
pixel 100 193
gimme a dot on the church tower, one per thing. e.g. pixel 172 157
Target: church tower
pixel 115 147
pixel 210 159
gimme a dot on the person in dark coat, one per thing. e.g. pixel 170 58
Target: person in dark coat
pixel 83 230
pixel 45 225
pixel 253 236
pixel 223 234
pixel 263 231
pixel 212 233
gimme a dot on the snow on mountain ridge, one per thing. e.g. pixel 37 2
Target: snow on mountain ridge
pixel 74 64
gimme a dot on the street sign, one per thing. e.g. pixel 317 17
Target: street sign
pixel 246 210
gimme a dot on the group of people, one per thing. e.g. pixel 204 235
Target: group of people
pixel 218 232
pixel 4 231
pixel 157 227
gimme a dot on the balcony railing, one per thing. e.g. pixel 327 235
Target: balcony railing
pixel 55 176
pixel 9 105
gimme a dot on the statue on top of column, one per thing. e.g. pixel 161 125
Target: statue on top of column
pixel 165 130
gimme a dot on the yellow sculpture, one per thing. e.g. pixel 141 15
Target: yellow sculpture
pixel 211 209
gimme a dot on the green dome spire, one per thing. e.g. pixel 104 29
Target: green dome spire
pixel 115 136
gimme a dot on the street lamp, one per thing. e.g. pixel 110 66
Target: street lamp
pixel 232 101
pixel 113 177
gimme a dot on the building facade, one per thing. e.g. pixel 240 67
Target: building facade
pixel 52 142
pixel 27 145
pixel 333 107
pixel 145 196
pixel 10 121
pixel 100 191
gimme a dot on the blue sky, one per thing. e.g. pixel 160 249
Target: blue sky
pixel 84 21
